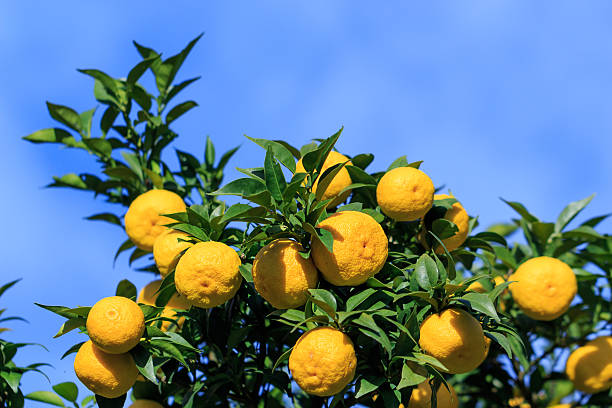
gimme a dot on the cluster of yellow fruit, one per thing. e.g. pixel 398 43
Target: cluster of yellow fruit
pixel 103 364
pixel 323 360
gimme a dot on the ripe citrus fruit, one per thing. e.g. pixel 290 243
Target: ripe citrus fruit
pixel 455 338
pixel 421 397
pixel 590 367
pixel 405 193
pixel 476 287
pixel 108 375
pixel 115 324
pixel 207 275
pixel 340 181
pixel 323 361
pixel 282 276
pixel 544 287
pixel 359 248
pixel 458 216
pixel 141 403
pixel 149 294
pixel 167 248
pixel 143 220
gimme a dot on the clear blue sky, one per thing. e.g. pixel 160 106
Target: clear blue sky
pixel 505 99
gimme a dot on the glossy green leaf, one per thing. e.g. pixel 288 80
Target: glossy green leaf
pixel 67 390
pixel 570 212
pixel 279 150
pixel 46 397
pixel 275 180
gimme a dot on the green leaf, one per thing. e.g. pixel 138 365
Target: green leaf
pixel 140 68
pixel 209 152
pixel 502 340
pixel 359 298
pixel 7 286
pixel 179 110
pixel 127 244
pixel 12 379
pixel 144 362
pixel 51 135
pixel 170 350
pixel 374 331
pixel 166 72
pixel 283 357
pixel 314 160
pixel 126 289
pixel 426 272
pixel 444 228
pixel 106 81
pixel 100 146
pixel 240 211
pixel 362 160
pixel 593 222
pixel 399 162
pixel 275 180
pixel 72 349
pixel 108 119
pixel 325 300
pixel 175 89
pixel 86 118
pixel 327 177
pixel 67 390
pixel 520 208
pixel 279 150
pixel 505 256
pixel 583 232
pixel 46 397
pixel 409 378
pixel 570 212
pixel 542 230
pixel 192 230
pixel 66 116
pixel 108 217
pixel 70 325
pixel 367 385
pixel 70 180
pixel 481 302
pixel 360 176
pixel 245 187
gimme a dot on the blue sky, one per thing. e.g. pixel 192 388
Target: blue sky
pixel 500 99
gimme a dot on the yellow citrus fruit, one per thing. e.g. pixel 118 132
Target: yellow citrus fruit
pixel 561 406
pixel 115 324
pixel 143 220
pixel 487 348
pixel 148 295
pixel 518 402
pixel 207 275
pixel 141 403
pixel 167 248
pixel 405 193
pixel 476 287
pixel 544 287
pixel 359 248
pixel 108 375
pixel 421 396
pixel 323 361
pixel 458 216
pixel 340 181
pixel 282 276
pixel 455 338
pixel 590 367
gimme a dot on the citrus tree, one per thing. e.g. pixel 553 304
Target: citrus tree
pixel 324 283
